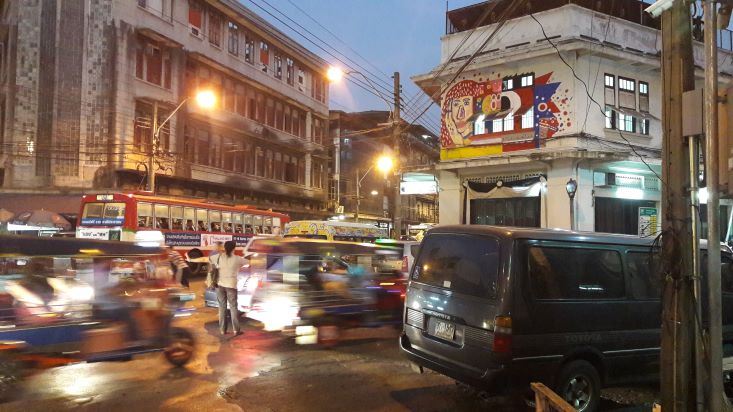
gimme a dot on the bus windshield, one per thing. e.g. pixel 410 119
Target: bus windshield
pixel 103 213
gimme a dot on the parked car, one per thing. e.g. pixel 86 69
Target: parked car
pixel 498 307
pixel 409 251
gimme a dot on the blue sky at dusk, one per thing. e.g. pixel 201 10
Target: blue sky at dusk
pixel 382 36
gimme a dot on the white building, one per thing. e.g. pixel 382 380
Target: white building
pixel 520 114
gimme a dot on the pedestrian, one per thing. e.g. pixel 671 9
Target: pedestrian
pixel 226 290
pixel 183 272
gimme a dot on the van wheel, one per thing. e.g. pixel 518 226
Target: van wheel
pixel 579 384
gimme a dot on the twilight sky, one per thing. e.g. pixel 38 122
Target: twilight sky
pixel 381 36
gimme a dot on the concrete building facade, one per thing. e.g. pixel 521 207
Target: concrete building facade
pixel 567 91
pixel 81 80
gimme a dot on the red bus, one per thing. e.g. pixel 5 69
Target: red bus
pixel 189 226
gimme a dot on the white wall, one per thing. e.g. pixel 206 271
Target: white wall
pixel 450 198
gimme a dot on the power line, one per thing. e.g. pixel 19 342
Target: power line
pixel 590 97
pixel 499 26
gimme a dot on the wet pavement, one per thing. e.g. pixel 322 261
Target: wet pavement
pixel 260 371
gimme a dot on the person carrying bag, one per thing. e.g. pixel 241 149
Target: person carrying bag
pixel 212 277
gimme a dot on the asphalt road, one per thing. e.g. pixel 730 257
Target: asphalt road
pixel 261 371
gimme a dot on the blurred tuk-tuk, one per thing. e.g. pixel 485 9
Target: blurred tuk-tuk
pixel 306 285
pixel 66 300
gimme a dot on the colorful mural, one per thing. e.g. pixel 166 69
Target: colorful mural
pixel 507 113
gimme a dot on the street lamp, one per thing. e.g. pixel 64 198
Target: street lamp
pixel 384 165
pixel 571 187
pixel 206 99
pixel 334 74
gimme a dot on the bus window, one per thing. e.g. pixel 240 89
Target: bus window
pixel 202 220
pixel 176 218
pixel 248 228
pixel 161 217
pixel 226 219
pixel 268 225
pixel 190 217
pixel 238 225
pixel 114 211
pixel 276 222
pixel 144 215
pixel 258 224
pixel 215 220
pixel 93 210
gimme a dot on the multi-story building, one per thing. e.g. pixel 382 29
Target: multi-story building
pixel 566 92
pixel 360 139
pixel 81 81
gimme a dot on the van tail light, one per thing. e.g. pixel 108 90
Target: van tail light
pixel 502 334
pixel 405 264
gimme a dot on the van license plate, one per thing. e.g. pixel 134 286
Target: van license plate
pixel 444 330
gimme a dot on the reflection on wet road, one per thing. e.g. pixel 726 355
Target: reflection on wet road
pixel 257 371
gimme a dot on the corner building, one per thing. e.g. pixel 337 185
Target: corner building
pixel 81 81
pixel 535 111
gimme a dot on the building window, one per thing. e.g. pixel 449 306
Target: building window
pixel 301 80
pixel 289 71
pixel 626 84
pixel 215 29
pixel 643 96
pixel 528 119
pixel 228 96
pixel 509 123
pixel 241 100
pixel 195 17
pixel 626 93
pixel 249 49
pixel 610 81
pixel 626 123
pixel 610 117
pixel 270 114
pixel 278 66
pixel 264 55
pixel 153 64
pixel 233 39
pixel 527 80
pixel 479 126
pixel 318 91
pixel 644 126
pixel 507 84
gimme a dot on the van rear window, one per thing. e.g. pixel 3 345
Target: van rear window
pixel 467 264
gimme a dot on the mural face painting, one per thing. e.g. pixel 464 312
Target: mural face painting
pixel 508 114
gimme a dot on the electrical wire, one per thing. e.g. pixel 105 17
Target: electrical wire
pixel 590 97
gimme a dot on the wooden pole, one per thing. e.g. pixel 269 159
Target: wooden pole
pixel 677 356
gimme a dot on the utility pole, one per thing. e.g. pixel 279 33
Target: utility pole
pixel 677 355
pixel 397 203
pixel 153 149
pixel 358 196
pixel 714 361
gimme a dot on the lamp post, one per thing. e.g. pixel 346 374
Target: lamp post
pixel 571 187
pixel 335 74
pixel 384 165
pixel 205 99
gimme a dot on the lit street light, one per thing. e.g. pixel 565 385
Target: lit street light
pixel 206 99
pixel 384 164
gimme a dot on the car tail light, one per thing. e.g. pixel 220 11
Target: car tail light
pixel 405 264
pixel 502 334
